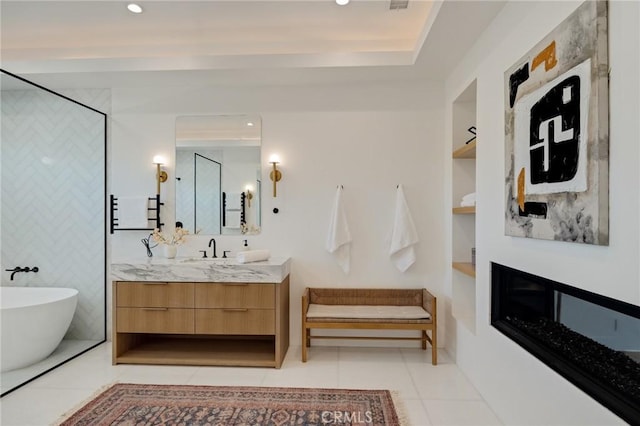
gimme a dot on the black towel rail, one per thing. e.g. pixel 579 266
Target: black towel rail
pixel 243 198
pixel 154 215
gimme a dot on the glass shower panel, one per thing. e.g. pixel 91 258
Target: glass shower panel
pixel 53 208
pixel 208 177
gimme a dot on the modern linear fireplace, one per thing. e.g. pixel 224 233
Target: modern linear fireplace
pixel 591 340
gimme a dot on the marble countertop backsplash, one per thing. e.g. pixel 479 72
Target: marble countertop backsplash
pixel 192 269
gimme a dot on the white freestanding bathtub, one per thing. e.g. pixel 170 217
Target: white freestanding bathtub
pixel 34 321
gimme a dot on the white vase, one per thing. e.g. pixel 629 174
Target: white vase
pixel 170 251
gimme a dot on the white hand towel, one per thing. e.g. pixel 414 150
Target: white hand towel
pixel 252 256
pixel 233 201
pixel 133 212
pixel 464 203
pixel 232 219
pixel 404 235
pixel 469 198
pixel 339 238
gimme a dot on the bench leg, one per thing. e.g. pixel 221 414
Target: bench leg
pixel 434 347
pixel 305 343
pixel 424 340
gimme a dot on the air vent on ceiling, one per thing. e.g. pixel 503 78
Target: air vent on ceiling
pixel 398 4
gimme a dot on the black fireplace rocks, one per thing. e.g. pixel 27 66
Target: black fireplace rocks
pixel 610 367
pixel 583 336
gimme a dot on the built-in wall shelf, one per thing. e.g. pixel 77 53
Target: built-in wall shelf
pixel 464 210
pixel 463 221
pixel 466 151
pixel 466 268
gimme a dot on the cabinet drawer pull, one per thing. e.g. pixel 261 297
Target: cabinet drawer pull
pixel 155 309
pixel 235 310
pixel 150 283
pixel 235 284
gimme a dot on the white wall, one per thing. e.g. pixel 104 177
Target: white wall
pixel 519 387
pixel 367 137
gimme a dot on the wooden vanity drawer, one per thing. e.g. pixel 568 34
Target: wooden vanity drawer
pixel 235 321
pixel 235 295
pixel 154 294
pixel 155 320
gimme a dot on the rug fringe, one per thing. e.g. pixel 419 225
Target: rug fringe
pixel 401 410
pixel 70 412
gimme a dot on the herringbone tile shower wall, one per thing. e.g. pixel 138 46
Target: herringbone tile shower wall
pixel 53 193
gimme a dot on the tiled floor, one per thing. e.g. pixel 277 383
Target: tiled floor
pixel 439 395
pixel 65 350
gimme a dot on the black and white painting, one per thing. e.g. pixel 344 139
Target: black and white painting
pixel 557 133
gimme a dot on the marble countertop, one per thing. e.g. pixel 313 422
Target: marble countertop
pixel 193 269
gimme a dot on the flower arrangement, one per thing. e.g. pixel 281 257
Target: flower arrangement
pixel 249 229
pixel 178 237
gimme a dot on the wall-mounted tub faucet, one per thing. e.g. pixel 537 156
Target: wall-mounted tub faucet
pixel 20 269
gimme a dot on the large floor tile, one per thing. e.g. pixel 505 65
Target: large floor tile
pixel 66 350
pixel 460 413
pixel 102 353
pixel 80 377
pixel 320 370
pixel 394 377
pixel 315 355
pixel 442 382
pixel 316 374
pixel 369 355
pixel 419 356
pixel 415 412
pixel 39 407
pixel 89 371
pixel 227 376
pixel 158 374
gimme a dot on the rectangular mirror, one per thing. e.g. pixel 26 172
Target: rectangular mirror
pixel 218 174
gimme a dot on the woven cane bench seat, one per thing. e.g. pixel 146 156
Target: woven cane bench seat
pixel 364 313
pixel 371 309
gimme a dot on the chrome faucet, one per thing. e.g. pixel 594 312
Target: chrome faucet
pixel 213 241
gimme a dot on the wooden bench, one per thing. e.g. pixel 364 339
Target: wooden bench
pixel 369 309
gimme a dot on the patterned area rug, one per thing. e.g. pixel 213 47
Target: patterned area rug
pixel 141 404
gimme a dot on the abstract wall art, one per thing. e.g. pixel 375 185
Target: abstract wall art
pixel 557 133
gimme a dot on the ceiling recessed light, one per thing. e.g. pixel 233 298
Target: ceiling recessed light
pixel 342 2
pixel 134 8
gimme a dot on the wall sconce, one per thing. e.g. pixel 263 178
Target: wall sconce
pixel 249 195
pixel 275 174
pixel 161 175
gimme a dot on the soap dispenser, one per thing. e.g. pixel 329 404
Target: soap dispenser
pixel 245 247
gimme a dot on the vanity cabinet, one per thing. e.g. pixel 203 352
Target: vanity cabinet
pixel 200 323
pixel 235 308
pixel 154 307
